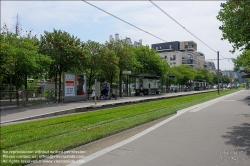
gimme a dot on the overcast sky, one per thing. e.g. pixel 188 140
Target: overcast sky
pixel 88 23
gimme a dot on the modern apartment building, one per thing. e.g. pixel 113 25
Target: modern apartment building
pixel 126 40
pixel 210 66
pixel 231 74
pixel 177 53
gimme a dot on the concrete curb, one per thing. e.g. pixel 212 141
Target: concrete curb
pixel 101 106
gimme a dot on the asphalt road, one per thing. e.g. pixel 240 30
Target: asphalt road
pixel 209 135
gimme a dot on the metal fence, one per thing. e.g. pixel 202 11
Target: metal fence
pixel 12 99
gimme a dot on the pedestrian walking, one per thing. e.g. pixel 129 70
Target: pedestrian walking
pixel 93 94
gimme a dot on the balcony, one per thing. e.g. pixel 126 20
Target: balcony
pixel 190 48
pixel 185 59
pixel 189 63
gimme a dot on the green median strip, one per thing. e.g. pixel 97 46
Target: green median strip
pixel 63 133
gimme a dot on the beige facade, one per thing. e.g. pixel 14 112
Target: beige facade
pixel 188 45
pixel 210 66
pixel 200 60
pixel 177 58
pixel 184 53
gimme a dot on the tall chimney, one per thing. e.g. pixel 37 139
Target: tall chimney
pixel 116 37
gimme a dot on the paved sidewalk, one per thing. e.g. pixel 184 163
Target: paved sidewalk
pixel 54 109
pixel 209 134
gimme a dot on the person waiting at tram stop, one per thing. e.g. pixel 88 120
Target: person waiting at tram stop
pixel 105 92
pixel 93 94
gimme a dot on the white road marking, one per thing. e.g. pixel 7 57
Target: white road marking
pixel 124 142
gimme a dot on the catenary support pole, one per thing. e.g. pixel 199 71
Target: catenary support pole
pixel 95 91
pixel 218 73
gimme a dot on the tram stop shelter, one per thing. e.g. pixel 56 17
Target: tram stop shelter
pixel 199 84
pixel 146 84
pixel 245 74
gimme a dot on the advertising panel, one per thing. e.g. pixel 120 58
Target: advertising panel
pixel 81 85
pixel 69 85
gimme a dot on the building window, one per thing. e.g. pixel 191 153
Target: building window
pixel 166 57
pixel 189 56
pixel 173 57
pixel 156 48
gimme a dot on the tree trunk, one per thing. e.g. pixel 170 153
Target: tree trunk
pixel 11 88
pixel 17 87
pixel 120 84
pixel 89 81
pixel 89 78
pixel 111 90
pixel 26 86
pixel 55 86
pixel 60 82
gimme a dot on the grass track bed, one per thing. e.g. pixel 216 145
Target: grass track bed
pixel 67 132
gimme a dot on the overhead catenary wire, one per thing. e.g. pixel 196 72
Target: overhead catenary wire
pixel 124 21
pixel 183 27
pixel 145 30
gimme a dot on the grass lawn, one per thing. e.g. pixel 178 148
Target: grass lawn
pixel 67 132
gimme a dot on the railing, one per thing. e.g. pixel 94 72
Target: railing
pixel 13 99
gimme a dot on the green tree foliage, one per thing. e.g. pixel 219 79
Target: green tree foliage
pixel 66 51
pixel 150 62
pixel 21 58
pixel 242 60
pixel 235 18
pixel 204 74
pixel 92 64
pixel 17 41
pixel 215 79
pixel 109 66
pixel 225 79
pixel 126 57
pixel 173 71
pixel 182 74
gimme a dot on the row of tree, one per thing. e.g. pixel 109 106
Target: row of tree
pixel 184 73
pixel 57 52
pixel 235 18
pixel 24 56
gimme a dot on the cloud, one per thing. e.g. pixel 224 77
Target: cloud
pixel 88 23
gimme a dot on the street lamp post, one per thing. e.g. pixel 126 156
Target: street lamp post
pixel 10 88
pixel 127 73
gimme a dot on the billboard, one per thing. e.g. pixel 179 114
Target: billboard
pixel 81 85
pixel 74 87
pixel 69 85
